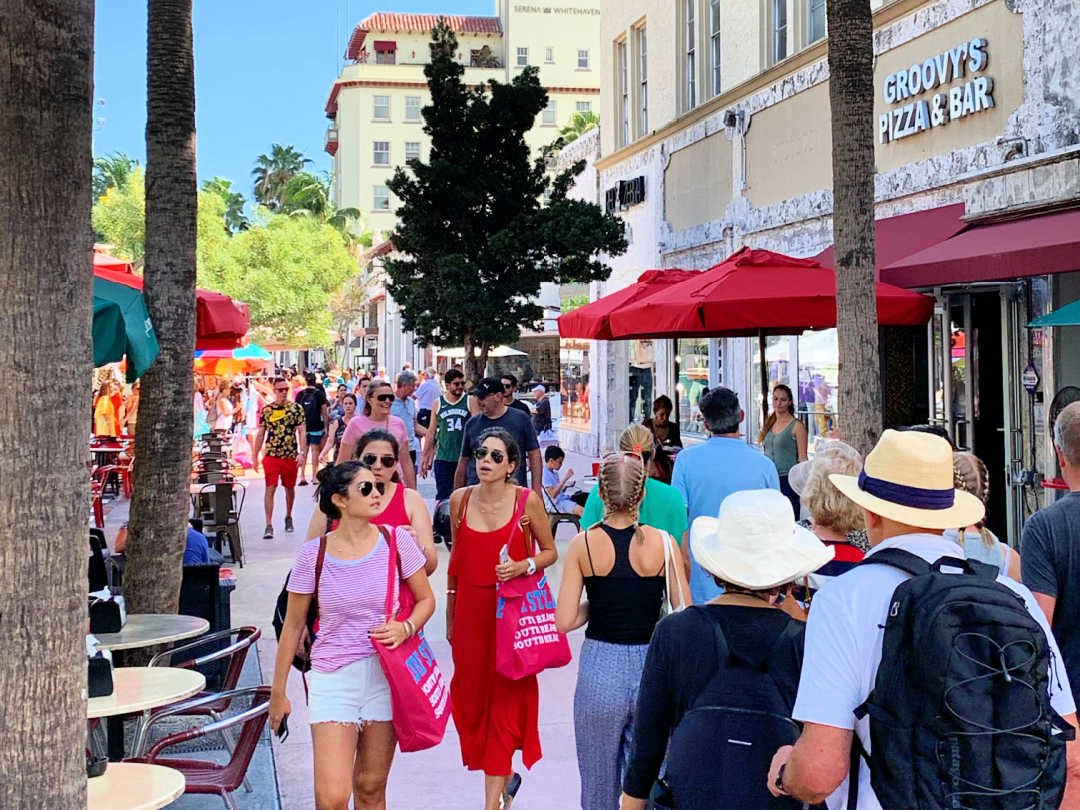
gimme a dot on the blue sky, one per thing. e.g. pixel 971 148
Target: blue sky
pixel 263 71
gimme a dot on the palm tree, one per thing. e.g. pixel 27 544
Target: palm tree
pixel 851 101
pixel 112 171
pixel 580 123
pixel 273 171
pixel 307 194
pixel 234 203
pixel 159 504
pixel 46 118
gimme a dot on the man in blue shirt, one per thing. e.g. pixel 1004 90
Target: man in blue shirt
pixel 404 408
pixel 707 473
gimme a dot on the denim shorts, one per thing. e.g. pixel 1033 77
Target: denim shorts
pixel 358 693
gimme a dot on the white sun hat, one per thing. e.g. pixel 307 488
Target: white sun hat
pixel 754 542
pixel 908 478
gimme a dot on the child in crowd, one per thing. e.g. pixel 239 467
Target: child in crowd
pixel 556 486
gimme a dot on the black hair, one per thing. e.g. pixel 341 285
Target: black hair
pixel 309 378
pixel 452 375
pixel 352 397
pixel 553 452
pixel 336 480
pixel 513 380
pixel 720 409
pixel 934 430
pixel 663 401
pixel 380 435
pixel 278 379
pixel 513 452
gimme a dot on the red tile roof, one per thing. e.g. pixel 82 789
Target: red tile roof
pixel 387 22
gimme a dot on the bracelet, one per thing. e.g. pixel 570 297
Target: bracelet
pixel 409 628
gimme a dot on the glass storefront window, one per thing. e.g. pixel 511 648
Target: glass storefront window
pixel 692 370
pixel 574 384
pixel 642 377
pixel 818 381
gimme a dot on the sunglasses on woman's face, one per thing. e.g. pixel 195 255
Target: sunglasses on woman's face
pixel 385 397
pixel 480 453
pixel 367 486
pixel 373 460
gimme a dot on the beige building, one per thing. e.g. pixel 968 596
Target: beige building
pixel 717 116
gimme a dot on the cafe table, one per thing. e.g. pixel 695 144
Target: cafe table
pixel 138 688
pixel 133 786
pixel 147 629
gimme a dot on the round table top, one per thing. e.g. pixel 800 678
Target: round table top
pixel 133 786
pixel 146 629
pixel 139 688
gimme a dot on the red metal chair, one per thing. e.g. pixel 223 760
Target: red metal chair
pixel 202 776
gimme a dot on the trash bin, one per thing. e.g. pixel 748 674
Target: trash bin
pixel 203 594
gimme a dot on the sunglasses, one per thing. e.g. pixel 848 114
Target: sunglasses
pixel 480 453
pixel 367 486
pixel 385 397
pixel 507 386
pixel 387 461
pixel 282 390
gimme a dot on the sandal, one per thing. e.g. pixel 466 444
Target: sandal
pixel 513 784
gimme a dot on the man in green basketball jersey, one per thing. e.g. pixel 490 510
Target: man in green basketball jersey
pixel 448 415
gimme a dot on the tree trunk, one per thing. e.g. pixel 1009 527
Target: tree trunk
pixel 46 244
pixel 851 101
pixel 159 507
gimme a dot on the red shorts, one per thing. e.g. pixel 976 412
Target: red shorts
pixel 283 468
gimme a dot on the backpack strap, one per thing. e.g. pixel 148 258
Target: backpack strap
pixel 898 558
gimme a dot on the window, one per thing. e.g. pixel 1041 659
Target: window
pixel 583 60
pixel 624 92
pixel 549 118
pixel 382 108
pixel 381 153
pixel 815 20
pixel 714 45
pixel 643 89
pixel 583 106
pixel 381 199
pixel 691 56
pixel 574 385
pixel 412 150
pixel 384 52
pixel 779 30
pixel 549 56
pixel 412 108
pixel 693 380
pixel 522 57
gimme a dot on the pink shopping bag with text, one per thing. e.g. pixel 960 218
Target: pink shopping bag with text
pixel 419 694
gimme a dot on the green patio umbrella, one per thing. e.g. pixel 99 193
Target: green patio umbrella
pixel 1068 315
pixel 122 328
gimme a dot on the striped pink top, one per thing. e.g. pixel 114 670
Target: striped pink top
pixel 352 597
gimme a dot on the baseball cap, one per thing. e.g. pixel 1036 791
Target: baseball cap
pixel 487 387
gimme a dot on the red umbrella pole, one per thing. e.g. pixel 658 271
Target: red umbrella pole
pixel 764 378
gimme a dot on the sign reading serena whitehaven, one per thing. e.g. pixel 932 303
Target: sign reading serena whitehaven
pixel 963 93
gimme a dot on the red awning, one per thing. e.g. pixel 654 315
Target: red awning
pixel 755 291
pixel 900 236
pixel 220 322
pixel 382 45
pixel 592 321
pixel 1034 246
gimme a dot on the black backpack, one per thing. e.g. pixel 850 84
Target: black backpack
pixel 960 713
pixel 302 656
pixel 736 724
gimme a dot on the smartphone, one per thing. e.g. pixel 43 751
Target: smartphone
pixel 283 729
pixel 504 554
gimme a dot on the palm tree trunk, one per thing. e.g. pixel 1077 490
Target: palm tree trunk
pixel 159 508
pixel 46 242
pixel 851 100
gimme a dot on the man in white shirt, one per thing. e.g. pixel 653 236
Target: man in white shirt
pixel 905 472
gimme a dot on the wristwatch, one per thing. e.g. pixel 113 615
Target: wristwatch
pixel 532 567
pixel 779 783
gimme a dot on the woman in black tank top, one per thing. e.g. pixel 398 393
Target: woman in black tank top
pixel 620 566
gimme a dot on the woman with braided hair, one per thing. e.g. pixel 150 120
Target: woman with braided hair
pixel 970 475
pixel 620 564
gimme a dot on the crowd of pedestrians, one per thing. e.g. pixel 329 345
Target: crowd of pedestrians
pixel 763 629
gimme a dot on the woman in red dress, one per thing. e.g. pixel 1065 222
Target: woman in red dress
pixel 494 716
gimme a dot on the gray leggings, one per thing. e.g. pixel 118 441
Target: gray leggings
pixel 604 704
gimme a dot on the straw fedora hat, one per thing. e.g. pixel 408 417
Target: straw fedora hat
pixel 908 477
pixel 755 543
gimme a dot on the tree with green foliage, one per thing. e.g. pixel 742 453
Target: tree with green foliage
pixel 272 172
pixel 234 204
pixel 308 194
pixel 474 239
pixel 573 302
pixel 112 171
pixel 580 123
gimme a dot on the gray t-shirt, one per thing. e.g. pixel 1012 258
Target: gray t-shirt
pixel 1050 560
pixel 514 422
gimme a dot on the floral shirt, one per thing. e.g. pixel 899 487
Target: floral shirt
pixel 281 422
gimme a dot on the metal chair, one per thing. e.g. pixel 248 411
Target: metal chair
pixel 555 517
pixel 224 517
pixel 202 776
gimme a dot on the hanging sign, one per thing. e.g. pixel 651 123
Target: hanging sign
pixel 958 98
pixel 1030 378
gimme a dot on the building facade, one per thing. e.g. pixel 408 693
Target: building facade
pixel 720 115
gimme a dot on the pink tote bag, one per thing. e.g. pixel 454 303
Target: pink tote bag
pixel 419 694
pixel 526 641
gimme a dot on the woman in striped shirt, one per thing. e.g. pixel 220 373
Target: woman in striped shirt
pixel 349 702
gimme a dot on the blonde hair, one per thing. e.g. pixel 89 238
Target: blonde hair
pixel 636 439
pixel 971 476
pixel 828 507
pixel 621 483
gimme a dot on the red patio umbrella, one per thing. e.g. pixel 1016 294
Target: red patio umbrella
pixel 220 322
pixel 592 321
pixel 758 292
